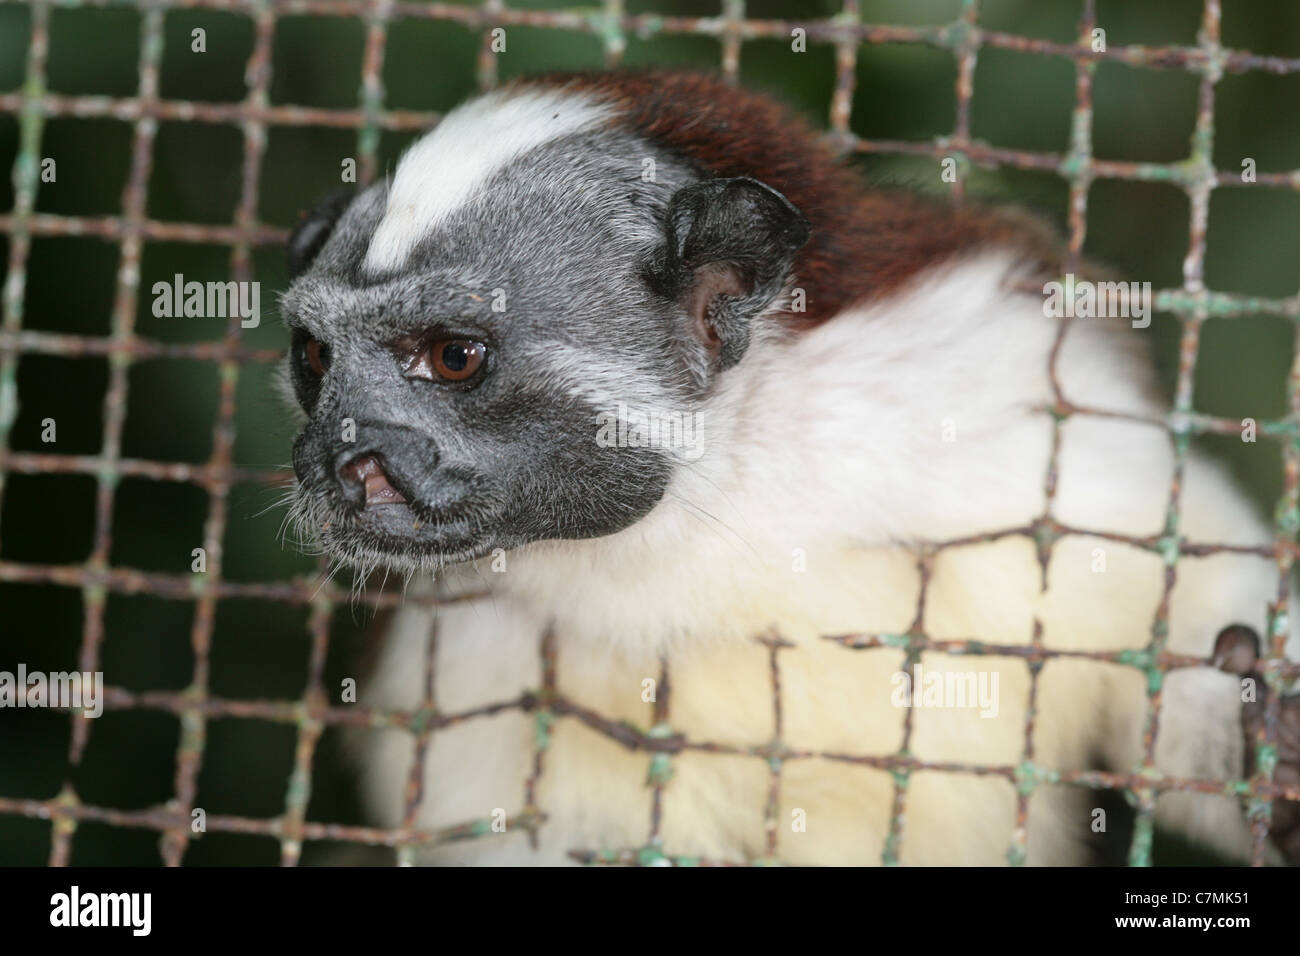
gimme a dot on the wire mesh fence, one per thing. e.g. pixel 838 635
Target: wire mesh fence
pixel 196 706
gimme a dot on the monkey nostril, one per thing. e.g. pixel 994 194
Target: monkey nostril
pixel 365 473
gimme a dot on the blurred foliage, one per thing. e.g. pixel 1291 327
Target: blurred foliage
pixel 259 648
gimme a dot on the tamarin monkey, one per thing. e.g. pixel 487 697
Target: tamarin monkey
pixel 631 365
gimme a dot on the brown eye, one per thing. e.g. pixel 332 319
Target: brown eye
pixel 454 360
pixel 318 356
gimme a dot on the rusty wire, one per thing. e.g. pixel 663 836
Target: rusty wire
pixel 1191 303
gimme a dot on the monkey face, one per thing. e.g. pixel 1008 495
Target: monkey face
pixel 530 368
pixel 433 448
pixel 437 436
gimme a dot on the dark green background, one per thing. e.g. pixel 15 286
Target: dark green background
pixel 260 648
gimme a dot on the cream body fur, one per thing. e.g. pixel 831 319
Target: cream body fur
pixel 832 454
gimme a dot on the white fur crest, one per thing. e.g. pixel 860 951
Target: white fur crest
pixel 446 166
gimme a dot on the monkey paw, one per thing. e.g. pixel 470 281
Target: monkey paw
pixel 1236 651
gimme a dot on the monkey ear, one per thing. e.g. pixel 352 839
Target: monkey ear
pixel 312 230
pixel 730 243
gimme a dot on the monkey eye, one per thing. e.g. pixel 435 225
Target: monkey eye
pixel 453 360
pixel 318 356
pixel 311 356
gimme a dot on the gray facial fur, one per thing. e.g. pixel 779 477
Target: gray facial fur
pixel 567 265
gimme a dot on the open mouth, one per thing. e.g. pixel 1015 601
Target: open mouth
pixel 383 520
pixel 367 472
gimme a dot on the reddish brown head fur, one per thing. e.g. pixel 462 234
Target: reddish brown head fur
pixel 864 244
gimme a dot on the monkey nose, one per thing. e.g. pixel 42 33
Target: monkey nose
pixel 365 473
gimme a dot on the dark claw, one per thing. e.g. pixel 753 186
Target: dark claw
pixel 1236 650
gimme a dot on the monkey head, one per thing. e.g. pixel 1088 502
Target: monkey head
pixel 503 344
